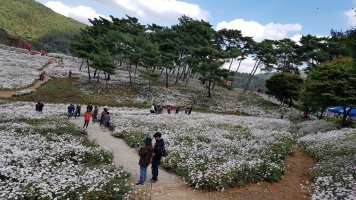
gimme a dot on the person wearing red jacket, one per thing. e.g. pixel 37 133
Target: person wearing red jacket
pixel 87 116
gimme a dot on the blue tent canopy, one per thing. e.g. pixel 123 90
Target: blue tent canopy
pixel 340 110
pixel 336 109
pixel 353 113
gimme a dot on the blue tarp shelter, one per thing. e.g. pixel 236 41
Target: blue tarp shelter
pixel 340 110
pixel 336 109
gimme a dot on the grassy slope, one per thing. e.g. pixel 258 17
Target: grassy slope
pixel 66 91
pixel 36 22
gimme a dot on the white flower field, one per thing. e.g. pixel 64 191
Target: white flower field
pixel 335 174
pixel 19 70
pixel 43 156
pixel 213 151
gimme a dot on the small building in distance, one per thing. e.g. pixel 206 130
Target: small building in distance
pixel 229 81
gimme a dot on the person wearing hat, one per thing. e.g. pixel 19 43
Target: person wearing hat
pixel 157 155
pixel 145 154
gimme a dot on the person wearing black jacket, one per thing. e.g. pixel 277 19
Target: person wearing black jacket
pixel 157 155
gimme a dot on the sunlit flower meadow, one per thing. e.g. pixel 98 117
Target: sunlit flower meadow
pixel 212 151
pixel 43 156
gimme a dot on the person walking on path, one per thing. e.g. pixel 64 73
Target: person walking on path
pixel 186 110
pixel 106 120
pixel 102 114
pixel 169 109
pixel 190 110
pixel 77 111
pixel 70 110
pixel 39 106
pixel 177 109
pixel 145 154
pixel 90 107
pixel 95 114
pixel 152 109
pixel 157 155
pixel 87 116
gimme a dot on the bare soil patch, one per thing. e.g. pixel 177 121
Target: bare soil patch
pixel 296 175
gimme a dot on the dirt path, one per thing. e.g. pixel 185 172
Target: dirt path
pixel 172 187
pixel 34 87
pixel 296 174
pixel 168 186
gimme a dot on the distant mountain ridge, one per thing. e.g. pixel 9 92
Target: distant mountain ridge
pixel 38 24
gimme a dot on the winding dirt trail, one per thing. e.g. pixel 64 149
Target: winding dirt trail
pixel 168 186
pixel 171 187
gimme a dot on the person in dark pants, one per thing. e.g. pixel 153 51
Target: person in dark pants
pixel 87 116
pixel 190 110
pixel 157 155
pixel 95 114
pixel 77 111
pixel 90 107
pixel 39 106
pixel 70 109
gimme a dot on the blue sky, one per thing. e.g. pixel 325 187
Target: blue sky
pixel 316 17
pixel 261 19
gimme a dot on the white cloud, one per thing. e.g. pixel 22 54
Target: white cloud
pixel 80 13
pixel 158 9
pixel 296 38
pixel 259 31
pixel 351 16
pixel 246 65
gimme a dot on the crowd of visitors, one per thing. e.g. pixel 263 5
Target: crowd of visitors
pixel 158 109
pixel 90 113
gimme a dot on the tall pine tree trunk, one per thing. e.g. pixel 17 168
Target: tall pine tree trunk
pixel 232 60
pixel 129 68
pixel 88 69
pixel 186 72
pixel 177 77
pixel 254 69
pixel 184 69
pixel 160 74
pixel 80 68
pixel 346 113
pixel 238 67
pixel 166 77
pixel 174 70
pixel 135 72
pixel 188 77
pixel 97 78
pixel 209 92
pixel 106 83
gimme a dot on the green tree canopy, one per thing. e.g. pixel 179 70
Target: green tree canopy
pixel 331 84
pixel 284 85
